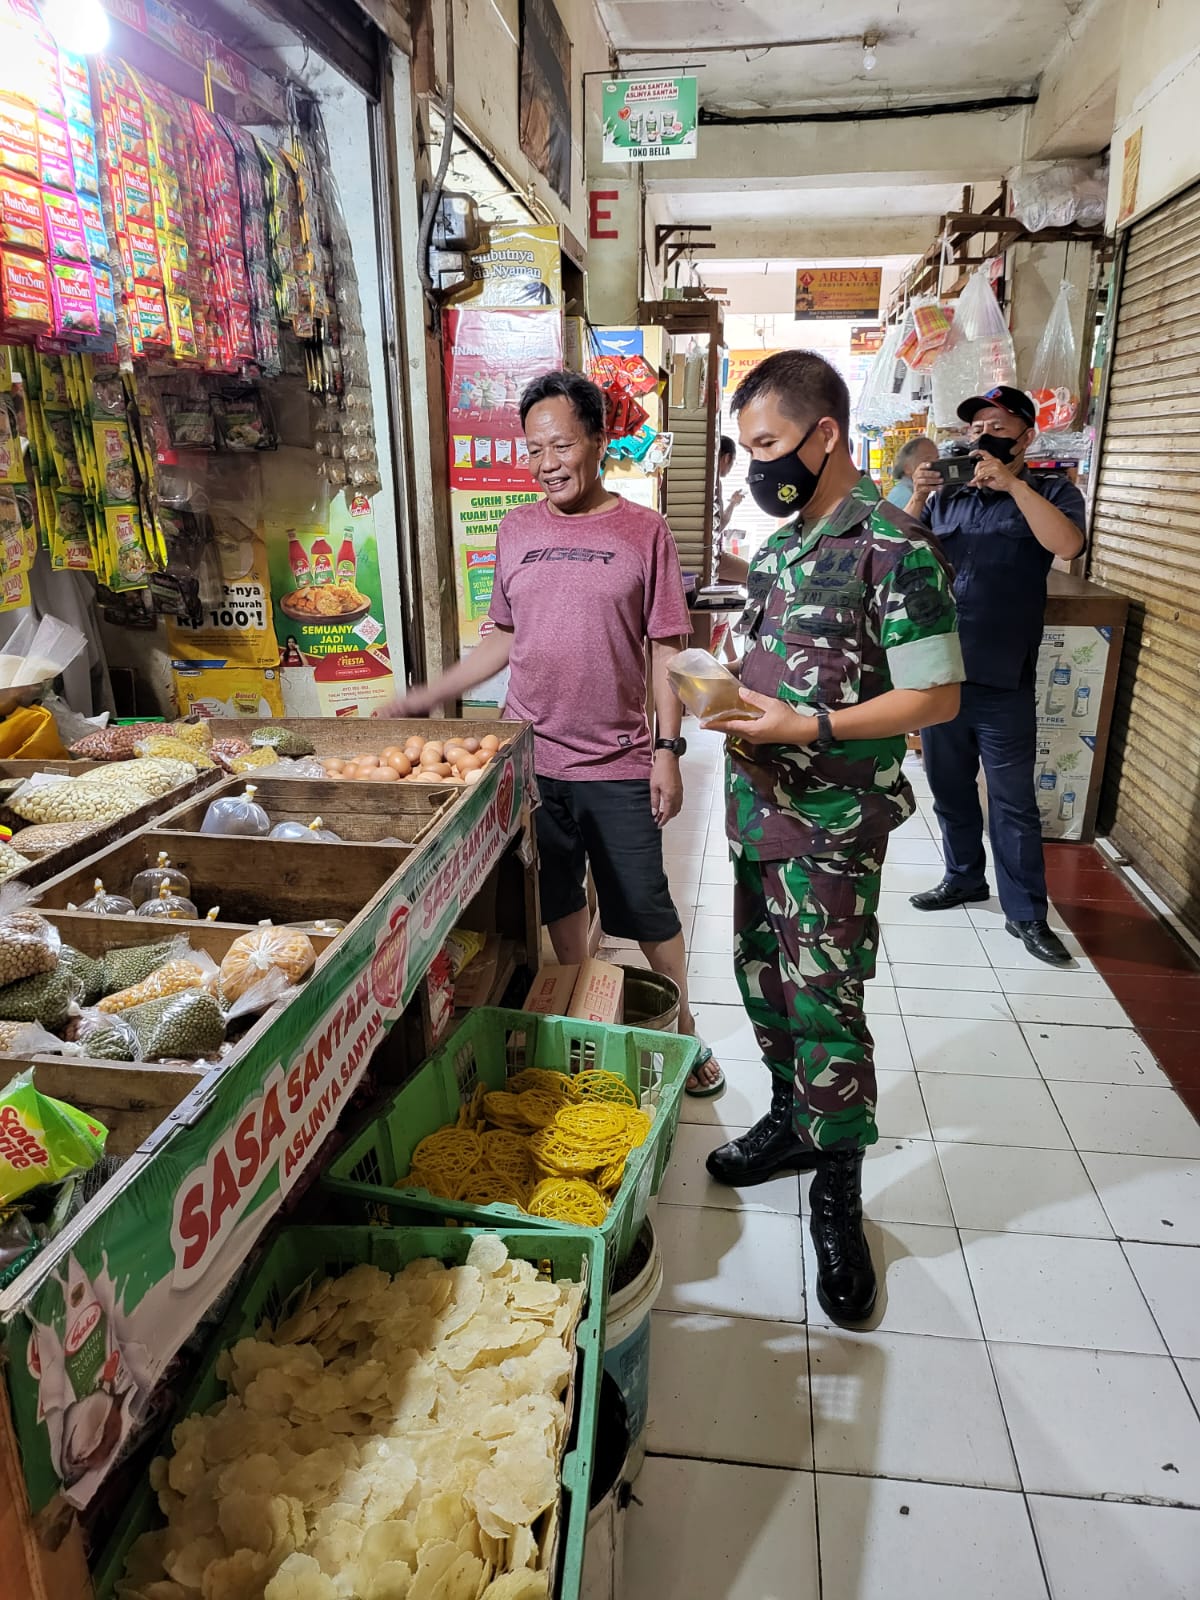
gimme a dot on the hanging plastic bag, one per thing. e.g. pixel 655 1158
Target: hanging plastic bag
pixel 977 356
pixel 878 405
pixel 1054 379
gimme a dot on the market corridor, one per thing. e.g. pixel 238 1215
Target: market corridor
pixel 1015 1422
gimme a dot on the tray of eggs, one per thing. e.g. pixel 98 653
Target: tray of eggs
pixel 419 761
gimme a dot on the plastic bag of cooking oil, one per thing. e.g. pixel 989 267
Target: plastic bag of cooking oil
pixel 237 816
pixel 148 883
pixel 104 904
pixel 42 1140
pixel 314 832
pixel 707 689
pixel 169 906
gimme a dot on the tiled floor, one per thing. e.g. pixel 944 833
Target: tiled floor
pixel 1019 1421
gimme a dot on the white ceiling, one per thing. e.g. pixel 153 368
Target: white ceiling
pixel 929 50
pixel 830 205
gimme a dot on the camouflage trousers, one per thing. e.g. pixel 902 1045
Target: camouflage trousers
pixel 805 941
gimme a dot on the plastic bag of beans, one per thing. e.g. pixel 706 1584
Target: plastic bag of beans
pixel 29 944
pixel 284 741
pixel 114 744
pixel 45 837
pixel 104 1037
pixel 174 977
pixel 181 1027
pixel 130 964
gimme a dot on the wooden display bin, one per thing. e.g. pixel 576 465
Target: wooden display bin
pixel 349 736
pixel 287 882
pixel 360 813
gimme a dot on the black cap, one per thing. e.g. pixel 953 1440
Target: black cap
pixel 1015 401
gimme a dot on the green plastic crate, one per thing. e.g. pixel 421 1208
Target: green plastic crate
pixel 489 1046
pixel 300 1254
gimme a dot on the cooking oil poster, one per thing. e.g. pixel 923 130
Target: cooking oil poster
pixel 328 599
pixel 1071 668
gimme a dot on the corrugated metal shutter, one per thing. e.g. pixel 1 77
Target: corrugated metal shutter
pixel 1146 544
pixel 347 33
pixel 691 489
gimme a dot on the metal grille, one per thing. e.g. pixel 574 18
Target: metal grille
pixel 1146 544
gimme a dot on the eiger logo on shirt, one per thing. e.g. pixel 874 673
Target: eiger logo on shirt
pixel 562 552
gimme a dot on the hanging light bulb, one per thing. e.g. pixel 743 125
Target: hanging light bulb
pixel 79 25
pixel 870 41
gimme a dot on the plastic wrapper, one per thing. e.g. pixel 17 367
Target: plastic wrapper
pixel 252 956
pixel 254 761
pixel 1054 377
pixel 708 689
pixel 284 741
pixel 314 832
pixel 156 775
pixel 114 744
pixel 86 972
pixel 881 402
pixel 73 800
pixel 129 964
pixel 304 767
pixel 196 971
pixel 1058 196
pixel 196 734
pixel 924 334
pixel 167 746
pixel 462 946
pixel 42 1140
pixel 237 816
pixel 327 927
pixel 147 884
pixel 104 1036
pixel 225 752
pixel 182 1027
pixel 977 356
pixel 27 1039
pixel 168 907
pixel 44 838
pixel 18 1243
pixel 12 862
pixel 104 904
pixel 29 945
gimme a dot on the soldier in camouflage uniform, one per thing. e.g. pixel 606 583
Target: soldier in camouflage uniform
pixel 851 641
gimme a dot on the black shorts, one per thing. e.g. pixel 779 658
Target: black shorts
pixel 608 825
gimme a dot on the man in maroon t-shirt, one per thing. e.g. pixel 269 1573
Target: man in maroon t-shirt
pixel 583 580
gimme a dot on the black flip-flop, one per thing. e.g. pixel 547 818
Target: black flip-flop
pixel 706 1091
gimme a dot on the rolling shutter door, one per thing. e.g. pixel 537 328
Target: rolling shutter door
pixel 1146 544
pixel 690 489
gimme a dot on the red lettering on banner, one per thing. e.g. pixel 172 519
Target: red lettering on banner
pixel 596 215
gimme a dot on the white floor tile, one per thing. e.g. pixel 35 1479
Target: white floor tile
pixel 981 1110
pixel 905 877
pixel 727 1033
pixel 688 1184
pixel 1073 1010
pixel 1099 1424
pixel 730 1388
pixel 921 1001
pixel 747 1096
pixel 700 1531
pixel 714 899
pixel 705 965
pixel 897 909
pixel 900 1110
pixel 934 947
pixel 1066 981
pixel 712 933
pixel 972 980
pixel 882 974
pixel 1148 1198
pixel 966 1045
pixel 1129 1121
pixel 882 1540
pixel 923 1283
pixel 990 914
pixel 916 852
pixel 891 1044
pixel 1096 1551
pixel 902 1182
pixel 1189 1371
pixel 881 1407
pixel 1004 1189
pixel 715 992
pixel 717 870
pixel 1003 950
pixel 1078 1292
pixel 1169 1276
pixel 1089 1054
pixel 731 1263
pixel 880 1001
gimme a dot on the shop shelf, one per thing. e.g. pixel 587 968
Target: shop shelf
pixel 300 1255
pixel 490 1046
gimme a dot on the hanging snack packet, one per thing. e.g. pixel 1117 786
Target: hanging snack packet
pixel 22 222
pixel 26 308
pixel 42 1140
pixel 18 136
pixel 55 166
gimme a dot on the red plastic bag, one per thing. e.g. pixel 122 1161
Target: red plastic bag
pixel 1054 379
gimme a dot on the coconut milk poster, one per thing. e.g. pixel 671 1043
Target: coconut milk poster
pixel 329 618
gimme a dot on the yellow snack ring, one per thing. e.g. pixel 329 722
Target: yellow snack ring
pixel 598 1084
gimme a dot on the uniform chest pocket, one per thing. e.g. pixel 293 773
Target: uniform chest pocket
pixel 824 653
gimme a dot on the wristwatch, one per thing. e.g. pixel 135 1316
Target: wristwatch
pixel 824 740
pixel 677 747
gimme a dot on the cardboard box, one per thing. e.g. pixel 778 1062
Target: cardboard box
pixel 599 992
pixel 479 979
pixel 550 994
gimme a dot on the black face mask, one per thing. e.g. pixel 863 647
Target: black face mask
pixel 993 445
pixel 783 486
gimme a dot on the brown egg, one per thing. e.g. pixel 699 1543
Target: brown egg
pixel 411 745
pixel 471 746
pixel 383 774
pixel 392 750
pixel 400 764
pixel 427 775
pixel 475 775
pixel 367 761
pixel 490 743
pixel 431 756
pixel 451 753
pixel 467 763
pixel 332 767
pixel 350 770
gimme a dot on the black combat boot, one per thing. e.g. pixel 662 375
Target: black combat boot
pixel 771 1146
pixel 845 1274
